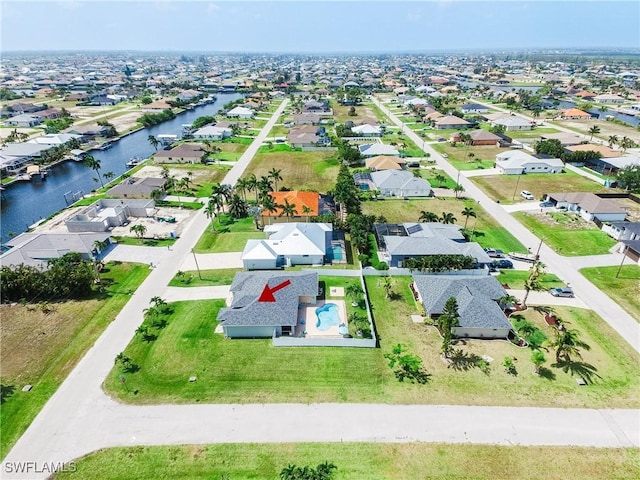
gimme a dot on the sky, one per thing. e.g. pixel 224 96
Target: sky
pixel 308 26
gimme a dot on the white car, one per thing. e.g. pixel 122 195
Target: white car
pixel 527 195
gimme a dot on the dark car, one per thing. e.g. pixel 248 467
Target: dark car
pixel 546 204
pixel 503 263
pixel 494 253
pixel 562 292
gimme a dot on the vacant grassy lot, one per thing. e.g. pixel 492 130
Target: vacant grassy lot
pixel 202 177
pixel 357 461
pixel 487 232
pixel 41 349
pixel 230 235
pixel 624 290
pixel 567 233
pixel 516 278
pixel 465 157
pixel 502 187
pixel 237 370
pixel 316 171
pixel 366 112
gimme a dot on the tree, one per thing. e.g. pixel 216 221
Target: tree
pixel 94 164
pixel 288 209
pixel 567 343
pixel 533 281
pixel 594 130
pixel 210 211
pixel 139 230
pixel 386 286
pixel 506 300
pixel 468 212
pixel 306 210
pixel 238 207
pixel 626 143
pixel 428 217
pixel 538 359
pixel 251 183
pixel 108 176
pixel 156 194
pixel 458 189
pixel 274 174
pixel 354 292
pixel 153 141
pixel 613 140
pixel 447 218
pixel 629 177
pixel 408 366
pixel 440 178
pixel 551 147
pixel 446 321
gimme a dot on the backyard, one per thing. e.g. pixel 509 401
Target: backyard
pixel 624 289
pixel 235 370
pixel 70 329
pixel 314 171
pixel 567 233
pixel 486 232
pixel 357 461
pixel 506 188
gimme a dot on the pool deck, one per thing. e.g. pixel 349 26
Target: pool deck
pixel 308 312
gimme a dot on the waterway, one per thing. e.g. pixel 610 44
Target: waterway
pixel 24 203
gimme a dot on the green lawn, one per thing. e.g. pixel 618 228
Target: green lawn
pixel 459 156
pixel 210 278
pixel 236 370
pixel 487 232
pixel 516 278
pixel 507 188
pixel 567 233
pixel 70 331
pixel 624 290
pixel 230 235
pixel 430 174
pixel 147 242
pixel 357 461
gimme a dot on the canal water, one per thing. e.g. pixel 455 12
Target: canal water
pixel 24 203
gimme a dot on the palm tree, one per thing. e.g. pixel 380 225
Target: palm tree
pixel 94 164
pixel 109 176
pixel 440 178
pixel 593 131
pixel 153 141
pixel 506 300
pixel 613 140
pixel 238 207
pixel 427 217
pixel 533 282
pixel 468 212
pixel 241 186
pixel 306 210
pixel 139 230
pixel 274 174
pixel 626 143
pixel 156 194
pixel 354 292
pixel 458 189
pixel 387 286
pixel 567 343
pixel 264 185
pixel 252 184
pixel 448 218
pixel 288 209
pixel 269 205
pixel 210 211
pixel 217 200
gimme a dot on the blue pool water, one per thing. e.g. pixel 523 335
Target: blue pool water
pixel 327 316
pixel 338 253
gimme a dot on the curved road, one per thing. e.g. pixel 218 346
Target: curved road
pixel 80 418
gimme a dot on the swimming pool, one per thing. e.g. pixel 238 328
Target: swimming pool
pixel 327 316
pixel 338 253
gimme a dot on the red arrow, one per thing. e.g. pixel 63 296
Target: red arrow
pixel 267 293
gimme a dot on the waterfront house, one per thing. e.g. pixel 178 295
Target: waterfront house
pixel 575 114
pixel 107 213
pixel 184 153
pixel 137 187
pixel 212 132
pixel 240 112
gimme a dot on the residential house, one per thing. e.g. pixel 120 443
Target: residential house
pixel 394 183
pixel 240 112
pixel 630 248
pixel 313 201
pixel 184 153
pixel 107 213
pixel 477 298
pixel 156 107
pixel 54 139
pixel 306 119
pixel 449 122
pixel 266 304
pixel 584 95
pixel 375 149
pixel 603 150
pixel 367 130
pixel 517 162
pixel 23 120
pixel 321 108
pixel 385 162
pixel 513 123
pixel 575 114
pixel 590 206
pixel 308 136
pixel 87 132
pixel 289 244
pixel 565 138
pixel 48 114
pixel 609 166
pixel 482 137
pixel 622 230
pixel 474 108
pixel 137 187
pixel 609 98
pixel 212 132
pixel 36 249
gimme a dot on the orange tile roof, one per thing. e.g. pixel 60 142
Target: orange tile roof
pixel 297 198
pixel 575 112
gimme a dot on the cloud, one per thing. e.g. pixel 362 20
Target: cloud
pixel 213 9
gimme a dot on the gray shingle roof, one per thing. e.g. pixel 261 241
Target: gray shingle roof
pixel 245 308
pixel 476 297
pixel 422 246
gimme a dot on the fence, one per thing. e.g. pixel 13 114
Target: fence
pixel 324 342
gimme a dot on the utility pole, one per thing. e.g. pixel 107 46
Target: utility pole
pixel 196 261
pixel 624 255
pixel 516 189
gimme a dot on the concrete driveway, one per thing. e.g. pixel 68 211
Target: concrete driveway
pixel 545 298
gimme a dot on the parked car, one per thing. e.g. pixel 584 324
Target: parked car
pixel 503 263
pixel 527 195
pixel 546 204
pixel 562 292
pixel 494 253
pixel 445 155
